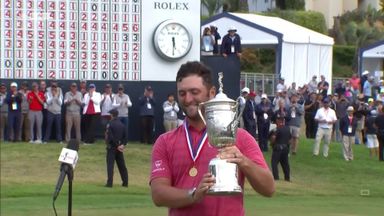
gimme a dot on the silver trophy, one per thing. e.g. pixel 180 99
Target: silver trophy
pixel 221 119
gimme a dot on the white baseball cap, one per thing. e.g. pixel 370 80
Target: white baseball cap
pixel 232 28
pixel 264 96
pixel 245 89
pixel 365 72
pixel 13 84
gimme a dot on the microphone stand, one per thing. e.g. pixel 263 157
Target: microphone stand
pixel 70 179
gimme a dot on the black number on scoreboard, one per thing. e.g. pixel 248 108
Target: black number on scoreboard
pixel 115 75
pixel 104 75
pixel 8 63
pixel 19 64
pixel 40 64
pixel 125 37
pixel 94 7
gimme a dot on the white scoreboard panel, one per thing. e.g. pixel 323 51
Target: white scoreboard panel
pixel 71 39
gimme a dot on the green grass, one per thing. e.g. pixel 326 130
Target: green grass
pixel 319 186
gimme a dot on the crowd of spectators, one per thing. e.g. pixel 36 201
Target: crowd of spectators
pixel 31 114
pixel 351 112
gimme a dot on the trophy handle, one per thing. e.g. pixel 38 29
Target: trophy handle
pixel 238 116
pixel 200 113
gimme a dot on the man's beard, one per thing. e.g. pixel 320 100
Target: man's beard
pixel 192 116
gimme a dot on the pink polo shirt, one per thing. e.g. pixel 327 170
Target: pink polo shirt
pixel 171 159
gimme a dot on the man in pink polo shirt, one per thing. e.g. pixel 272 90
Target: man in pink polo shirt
pixel 180 178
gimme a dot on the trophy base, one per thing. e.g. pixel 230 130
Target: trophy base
pixel 219 191
pixel 226 178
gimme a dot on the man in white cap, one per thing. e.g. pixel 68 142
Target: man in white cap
pixel 241 100
pixel 348 125
pixel 231 43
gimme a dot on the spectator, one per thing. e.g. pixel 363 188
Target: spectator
pixel 43 89
pixel 116 139
pixel 341 111
pixel 207 42
pixel 311 106
pixel 371 131
pixel 3 112
pixel 264 113
pixel 323 86
pixel 348 125
pixel 24 134
pixel 241 104
pixel 14 99
pixel 170 108
pixel 280 141
pixel 72 101
pixel 363 78
pixel 147 113
pixel 280 87
pixel 54 98
pixel 231 43
pixel 379 122
pixel 106 104
pixel 292 90
pixel 122 102
pixel 367 88
pixel 217 37
pixel 249 114
pixel 91 113
pixel 355 85
pixel 83 87
pixel 36 100
pixel 312 85
pixel 326 117
pixel 361 110
pixel 295 111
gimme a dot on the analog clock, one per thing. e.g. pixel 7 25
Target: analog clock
pixel 172 40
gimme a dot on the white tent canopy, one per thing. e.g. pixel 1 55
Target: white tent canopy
pixel 371 57
pixel 300 52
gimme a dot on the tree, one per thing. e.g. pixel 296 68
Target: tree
pixel 382 5
pixel 212 5
pixel 235 5
pixel 290 4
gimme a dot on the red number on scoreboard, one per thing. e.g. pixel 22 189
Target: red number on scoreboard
pixel 84 65
pixel 29 54
pixel 52 74
pixel 72 55
pixel 40 74
pixel 94 65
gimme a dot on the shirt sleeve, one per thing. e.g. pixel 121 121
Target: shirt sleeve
pixel 160 166
pixel 249 147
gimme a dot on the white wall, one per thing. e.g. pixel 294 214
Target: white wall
pixel 153 67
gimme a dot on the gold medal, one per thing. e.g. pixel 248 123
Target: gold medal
pixel 193 172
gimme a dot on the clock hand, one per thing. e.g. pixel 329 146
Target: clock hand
pixel 174 45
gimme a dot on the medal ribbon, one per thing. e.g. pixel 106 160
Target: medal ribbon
pixel 194 154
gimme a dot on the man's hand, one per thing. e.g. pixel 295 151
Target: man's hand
pixel 206 182
pixel 232 154
pixel 120 148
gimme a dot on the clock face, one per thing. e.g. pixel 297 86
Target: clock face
pixel 172 40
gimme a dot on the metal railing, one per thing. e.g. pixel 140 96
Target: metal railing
pixel 267 83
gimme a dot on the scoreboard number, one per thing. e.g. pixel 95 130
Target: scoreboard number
pixel 70 39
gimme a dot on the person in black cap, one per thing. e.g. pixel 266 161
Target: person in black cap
pixel 116 139
pixel 147 114
pixel 280 139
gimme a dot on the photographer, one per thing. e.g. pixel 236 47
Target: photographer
pixel 361 112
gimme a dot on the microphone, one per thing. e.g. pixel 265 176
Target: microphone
pixel 68 157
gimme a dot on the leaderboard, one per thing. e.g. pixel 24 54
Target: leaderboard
pixel 71 39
